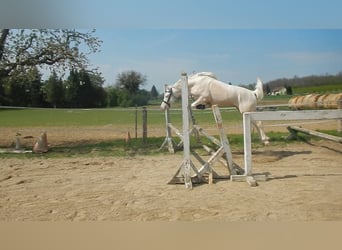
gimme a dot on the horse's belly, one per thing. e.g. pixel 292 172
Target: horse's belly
pixel 243 100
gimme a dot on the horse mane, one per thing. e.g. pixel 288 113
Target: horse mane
pixel 178 85
pixel 208 74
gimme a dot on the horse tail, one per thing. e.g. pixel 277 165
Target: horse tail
pixel 259 90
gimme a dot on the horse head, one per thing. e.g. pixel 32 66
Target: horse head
pixel 173 92
pixel 168 99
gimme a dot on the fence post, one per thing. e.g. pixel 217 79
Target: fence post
pixel 144 117
pixel 136 122
pixel 339 122
pixel 247 142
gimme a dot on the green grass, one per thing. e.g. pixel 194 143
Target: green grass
pixel 321 89
pixel 119 147
pixel 64 117
pixel 123 117
pixel 114 116
pixel 99 117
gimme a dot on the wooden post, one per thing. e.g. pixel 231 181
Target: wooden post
pixel 17 143
pixel 339 122
pixel 168 141
pixel 136 122
pixel 144 117
pixel 224 139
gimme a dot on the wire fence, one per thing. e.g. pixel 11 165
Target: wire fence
pixel 119 122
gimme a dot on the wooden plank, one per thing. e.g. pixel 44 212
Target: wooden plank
pixel 296 115
pixel 316 133
pixel 169 142
pixel 257 177
pixel 224 139
pixel 210 137
pixel 178 133
pixel 14 151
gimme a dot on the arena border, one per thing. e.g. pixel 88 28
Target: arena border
pixel 248 117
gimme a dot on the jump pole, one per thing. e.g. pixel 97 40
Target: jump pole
pixel 275 116
pixel 186 165
pixel 186 138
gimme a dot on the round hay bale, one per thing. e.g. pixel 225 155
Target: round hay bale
pixel 299 102
pixel 320 101
pixel 339 100
pixel 330 102
pixel 292 103
pixel 315 100
pixel 309 101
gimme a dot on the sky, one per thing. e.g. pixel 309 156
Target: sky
pixel 237 40
pixel 238 56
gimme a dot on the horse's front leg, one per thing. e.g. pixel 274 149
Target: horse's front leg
pixel 200 103
pixel 264 138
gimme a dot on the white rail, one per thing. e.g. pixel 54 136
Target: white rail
pixel 248 117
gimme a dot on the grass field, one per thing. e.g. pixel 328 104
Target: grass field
pixel 321 89
pixel 113 116
pixel 98 117
pixel 82 119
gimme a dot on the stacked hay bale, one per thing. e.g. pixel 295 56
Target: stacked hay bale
pixel 315 101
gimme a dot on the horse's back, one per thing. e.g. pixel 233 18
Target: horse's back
pixel 226 95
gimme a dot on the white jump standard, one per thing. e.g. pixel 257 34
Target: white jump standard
pixel 277 116
pixel 187 173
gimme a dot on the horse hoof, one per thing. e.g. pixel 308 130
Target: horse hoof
pixel 200 106
pixel 266 143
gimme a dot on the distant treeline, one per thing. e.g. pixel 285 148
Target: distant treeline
pixel 81 89
pixel 306 81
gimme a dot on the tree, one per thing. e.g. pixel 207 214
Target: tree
pixel 26 49
pixel 288 90
pixel 34 86
pixel 84 90
pixel 112 96
pixel 130 81
pixel 3 37
pixel 154 92
pixel 50 47
pixel 23 88
pixel 72 91
pixel 267 89
pixel 54 90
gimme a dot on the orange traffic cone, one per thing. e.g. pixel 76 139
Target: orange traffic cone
pixel 41 146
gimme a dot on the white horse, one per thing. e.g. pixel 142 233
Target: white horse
pixel 208 91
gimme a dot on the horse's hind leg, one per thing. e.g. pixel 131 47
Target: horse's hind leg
pixel 264 138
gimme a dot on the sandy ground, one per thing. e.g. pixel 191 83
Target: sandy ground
pixel 305 184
